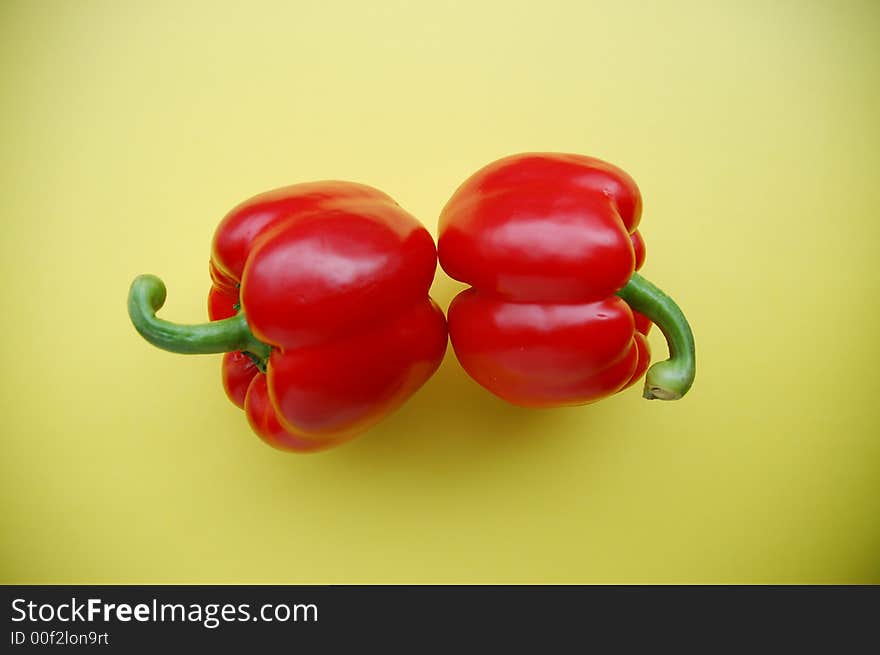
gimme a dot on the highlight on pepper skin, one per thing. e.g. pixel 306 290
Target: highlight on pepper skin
pixel 319 302
pixel 557 313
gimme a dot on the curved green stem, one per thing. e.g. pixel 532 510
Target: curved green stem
pixel 146 297
pixel 670 379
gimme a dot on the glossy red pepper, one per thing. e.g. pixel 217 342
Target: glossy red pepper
pixel 556 314
pixel 320 302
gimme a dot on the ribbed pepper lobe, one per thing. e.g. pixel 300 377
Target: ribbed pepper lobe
pixel 546 227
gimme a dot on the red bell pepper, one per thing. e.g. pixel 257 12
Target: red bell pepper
pixel 556 314
pixel 320 302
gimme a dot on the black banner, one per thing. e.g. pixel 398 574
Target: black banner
pixel 134 618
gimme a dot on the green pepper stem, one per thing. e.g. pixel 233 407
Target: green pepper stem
pixel 669 379
pixel 146 297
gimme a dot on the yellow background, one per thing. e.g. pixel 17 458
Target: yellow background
pixel 130 128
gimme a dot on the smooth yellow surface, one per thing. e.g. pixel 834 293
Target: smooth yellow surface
pixel 130 128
